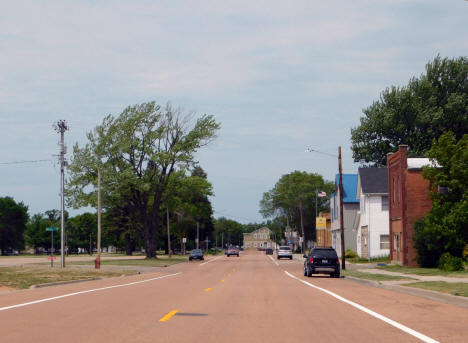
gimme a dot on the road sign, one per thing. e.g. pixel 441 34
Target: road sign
pixel 51 229
pixel 207 241
pixel 184 240
pixel 52 258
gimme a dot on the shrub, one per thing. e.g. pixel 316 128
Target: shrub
pixel 450 263
pixel 351 254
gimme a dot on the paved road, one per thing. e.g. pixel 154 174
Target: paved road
pixel 246 299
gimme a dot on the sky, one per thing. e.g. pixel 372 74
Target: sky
pixel 280 77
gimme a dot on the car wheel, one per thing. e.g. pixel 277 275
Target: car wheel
pixel 290 258
pixel 190 259
pixel 337 275
pixel 202 258
pixel 309 272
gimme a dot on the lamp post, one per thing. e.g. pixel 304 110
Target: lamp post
pixel 340 190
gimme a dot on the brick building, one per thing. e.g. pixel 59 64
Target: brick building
pixel 258 239
pixel 408 201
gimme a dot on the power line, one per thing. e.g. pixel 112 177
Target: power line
pixel 20 162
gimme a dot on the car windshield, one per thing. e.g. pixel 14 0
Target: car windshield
pixel 285 248
pixel 196 251
pixel 329 253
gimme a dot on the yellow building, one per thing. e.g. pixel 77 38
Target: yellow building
pixel 259 238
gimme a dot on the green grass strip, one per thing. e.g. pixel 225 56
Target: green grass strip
pixel 455 288
pixel 374 277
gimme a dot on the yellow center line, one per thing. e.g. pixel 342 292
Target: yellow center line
pixel 168 316
pixel 222 280
pixel 208 289
pixel 229 274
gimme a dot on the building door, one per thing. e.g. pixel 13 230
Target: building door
pixel 364 242
pixel 396 244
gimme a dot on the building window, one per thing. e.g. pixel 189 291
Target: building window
pixel 255 235
pixel 394 191
pixel 384 242
pixel 384 202
pixel 255 244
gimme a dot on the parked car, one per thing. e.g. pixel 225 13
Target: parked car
pixel 323 261
pixel 10 252
pixel 284 251
pixel 196 254
pixel 269 251
pixel 232 251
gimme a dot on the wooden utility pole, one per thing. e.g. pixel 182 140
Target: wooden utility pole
pixel 340 170
pixel 168 235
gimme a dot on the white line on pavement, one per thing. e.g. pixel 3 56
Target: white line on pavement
pixel 201 264
pixel 272 260
pixel 83 292
pixel 406 329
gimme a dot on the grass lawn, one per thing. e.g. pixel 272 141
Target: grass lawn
pixel 458 288
pixel 24 277
pixel 161 261
pixel 374 277
pixel 424 271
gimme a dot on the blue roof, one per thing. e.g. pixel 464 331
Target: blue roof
pixel 349 187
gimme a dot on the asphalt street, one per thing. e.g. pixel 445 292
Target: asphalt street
pixel 253 298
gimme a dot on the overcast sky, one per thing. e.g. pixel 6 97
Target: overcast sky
pixel 280 76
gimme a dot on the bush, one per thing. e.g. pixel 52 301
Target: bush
pixel 450 263
pixel 351 254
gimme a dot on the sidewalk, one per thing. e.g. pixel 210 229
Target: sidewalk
pixel 414 276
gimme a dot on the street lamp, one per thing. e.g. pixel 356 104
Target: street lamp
pixel 340 190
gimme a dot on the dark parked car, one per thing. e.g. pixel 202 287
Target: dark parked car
pixel 196 254
pixel 323 261
pixel 269 251
pixel 10 252
pixel 232 251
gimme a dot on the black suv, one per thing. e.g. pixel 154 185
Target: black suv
pixel 322 260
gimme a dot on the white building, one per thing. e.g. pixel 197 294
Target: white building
pixel 372 223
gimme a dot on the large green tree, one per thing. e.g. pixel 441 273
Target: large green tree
pixel 137 151
pixel 13 218
pixel 294 198
pixel 445 227
pixel 415 114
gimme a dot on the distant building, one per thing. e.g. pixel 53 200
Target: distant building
pixel 409 200
pixel 372 228
pixel 260 238
pixel 350 208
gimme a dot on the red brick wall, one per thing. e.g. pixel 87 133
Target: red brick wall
pixel 408 201
pixel 417 204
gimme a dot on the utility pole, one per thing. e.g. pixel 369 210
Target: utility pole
pixel 198 234
pixel 168 236
pixel 343 261
pixel 97 265
pixel 61 126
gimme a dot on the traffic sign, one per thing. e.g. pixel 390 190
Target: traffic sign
pixel 51 229
pixel 52 258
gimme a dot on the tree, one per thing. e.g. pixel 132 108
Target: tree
pixel 415 114
pixel 445 227
pixel 137 151
pixel 36 235
pixel 82 231
pixel 187 197
pixel 13 218
pixel 294 197
pixel 229 230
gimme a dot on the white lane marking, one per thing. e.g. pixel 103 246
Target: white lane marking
pixel 273 260
pixel 83 292
pixel 201 264
pixel 406 329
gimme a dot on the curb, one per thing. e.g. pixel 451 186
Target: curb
pixel 422 293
